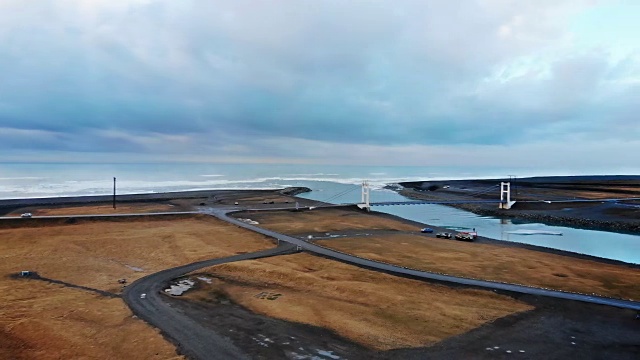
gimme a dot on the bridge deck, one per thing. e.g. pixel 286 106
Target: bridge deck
pixel 423 202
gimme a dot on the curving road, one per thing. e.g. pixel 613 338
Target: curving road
pixel 192 339
pixel 394 269
pixel 198 342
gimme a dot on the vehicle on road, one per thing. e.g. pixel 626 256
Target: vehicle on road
pixel 26 215
pixel 426 230
pixel 143 296
pixel 443 235
pixel 464 237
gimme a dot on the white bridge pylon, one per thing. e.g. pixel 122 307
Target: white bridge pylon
pixel 366 196
pixel 505 196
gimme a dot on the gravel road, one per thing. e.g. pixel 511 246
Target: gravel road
pixel 402 271
pixel 192 339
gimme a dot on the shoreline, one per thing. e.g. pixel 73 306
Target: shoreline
pixel 7 206
pixel 547 200
pixel 491 241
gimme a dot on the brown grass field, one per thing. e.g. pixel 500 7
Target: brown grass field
pixel 325 220
pixel 377 310
pixel 97 209
pixel 485 261
pixel 39 320
pixel 491 262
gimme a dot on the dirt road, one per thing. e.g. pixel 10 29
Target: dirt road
pixel 192 339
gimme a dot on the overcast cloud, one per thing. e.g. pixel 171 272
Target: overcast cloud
pixel 548 82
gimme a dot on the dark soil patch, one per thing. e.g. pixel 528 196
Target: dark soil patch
pixel 554 330
pixel 263 337
pixel 597 332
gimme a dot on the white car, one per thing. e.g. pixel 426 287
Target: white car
pixel 143 296
pixel 26 215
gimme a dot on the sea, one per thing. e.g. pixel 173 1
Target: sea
pixel 329 183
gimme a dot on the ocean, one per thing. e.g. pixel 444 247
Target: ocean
pixel 335 184
pixel 20 180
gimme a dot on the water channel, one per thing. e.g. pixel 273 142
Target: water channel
pixel 609 245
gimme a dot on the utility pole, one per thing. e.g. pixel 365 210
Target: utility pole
pixel 114 192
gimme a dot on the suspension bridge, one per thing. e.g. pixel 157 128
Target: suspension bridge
pixel 504 201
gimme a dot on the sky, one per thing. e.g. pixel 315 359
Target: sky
pixel 547 84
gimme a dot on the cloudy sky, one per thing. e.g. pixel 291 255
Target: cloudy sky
pixel 548 83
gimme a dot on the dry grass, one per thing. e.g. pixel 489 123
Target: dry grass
pixel 377 310
pixel 46 321
pixel 491 262
pixel 97 209
pixel 498 263
pixel 325 220
pixel 43 321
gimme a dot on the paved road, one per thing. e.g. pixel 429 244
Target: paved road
pixel 394 269
pixel 191 338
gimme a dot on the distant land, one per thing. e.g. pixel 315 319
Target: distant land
pixel 601 202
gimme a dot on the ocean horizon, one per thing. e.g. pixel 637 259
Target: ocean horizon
pixel 336 184
pixel 33 180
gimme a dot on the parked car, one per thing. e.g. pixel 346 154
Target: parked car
pixel 464 237
pixel 26 215
pixel 444 235
pixel 427 230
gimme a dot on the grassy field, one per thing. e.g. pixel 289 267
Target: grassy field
pixel 40 320
pixel 497 263
pixel 325 220
pixel 97 209
pixel 491 262
pixel 376 310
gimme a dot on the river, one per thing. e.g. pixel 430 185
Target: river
pixel 24 180
pixel 609 245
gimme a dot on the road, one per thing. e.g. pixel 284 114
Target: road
pixel 197 342
pixel 398 270
pixel 222 213
pixel 100 215
pixel 192 339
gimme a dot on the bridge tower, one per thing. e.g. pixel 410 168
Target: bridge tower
pixel 366 196
pixel 505 196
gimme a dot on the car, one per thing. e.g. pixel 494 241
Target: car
pixel 426 230
pixel 26 215
pixel 143 296
pixel 444 235
pixel 464 237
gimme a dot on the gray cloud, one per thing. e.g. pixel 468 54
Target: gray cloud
pixel 184 77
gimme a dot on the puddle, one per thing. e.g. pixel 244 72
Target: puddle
pixel 249 221
pixel 260 342
pixel 265 339
pixel 180 288
pixel 134 268
pixel 267 295
pixel 328 354
pixel 324 355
